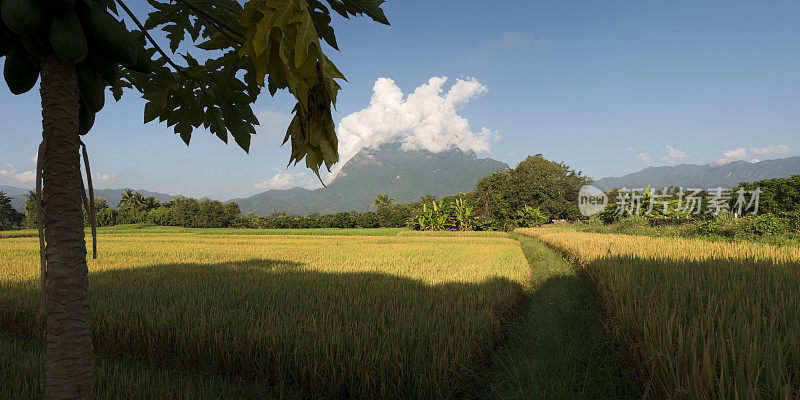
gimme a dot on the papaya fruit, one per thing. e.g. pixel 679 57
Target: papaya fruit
pixel 85 119
pixel 58 5
pixel 20 71
pixel 37 46
pixel 105 67
pixel 67 38
pixel 23 17
pixel 6 42
pixel 142 61
pixel 108 35
pixel 91 87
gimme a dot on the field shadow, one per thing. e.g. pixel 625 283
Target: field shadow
pixel 289 328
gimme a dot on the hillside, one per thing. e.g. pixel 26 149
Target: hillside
pixel 705 176
pixel 113 196
pixel 404 175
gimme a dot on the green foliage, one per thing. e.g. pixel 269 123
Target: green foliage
pixel 444 215
pixel 395 217
pixel 30 210
pixel 491 196
pixel 529 217
pixel 552 187
pixel 382 201
pixel 535 183
pixel 282 42
pixel 105 215
pixel 779 195
pixel 9 217
pixel 747 228
pixel 265 42
pixel 463 215
pixel 216 94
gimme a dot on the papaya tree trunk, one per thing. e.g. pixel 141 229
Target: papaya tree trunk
pixel 69 352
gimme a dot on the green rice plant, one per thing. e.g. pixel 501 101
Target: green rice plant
pixel 701 319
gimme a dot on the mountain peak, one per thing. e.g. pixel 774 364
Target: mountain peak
pixel 405 175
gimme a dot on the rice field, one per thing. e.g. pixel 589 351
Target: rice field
pixel 265 315
pixel 701 320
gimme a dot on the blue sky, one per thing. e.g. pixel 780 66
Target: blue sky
pixel 607 86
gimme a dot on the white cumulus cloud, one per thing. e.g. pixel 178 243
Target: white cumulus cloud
pixel 733 155
pixel 426 119
pixel 644 158
pixel 780 149
pixel 23 177
pixel 285 180
pixel 755 153
pixel 98 177
pixel 673 155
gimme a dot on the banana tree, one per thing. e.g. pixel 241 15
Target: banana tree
pixel 81 48
pixel 464 216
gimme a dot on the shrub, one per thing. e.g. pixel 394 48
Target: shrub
pixel 529 217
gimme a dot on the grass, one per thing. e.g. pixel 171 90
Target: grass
pixel 700 319
pixel 279 315
pixel 558 346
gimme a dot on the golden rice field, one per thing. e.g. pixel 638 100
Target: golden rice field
pixel 289 316
pixel 701 320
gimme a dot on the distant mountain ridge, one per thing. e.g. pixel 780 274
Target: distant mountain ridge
pixel 408 175
pixel 113 196
pixel 404 175
pixel 704 176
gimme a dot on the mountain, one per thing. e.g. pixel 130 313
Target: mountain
pixel 404 175
pixel 17 196
pixel 704 176
pixel 113 196
pixel 12 191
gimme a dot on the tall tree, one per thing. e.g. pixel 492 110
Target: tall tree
pixel 9 217
pixel 491 195
pixel 553 187
pixel 80 47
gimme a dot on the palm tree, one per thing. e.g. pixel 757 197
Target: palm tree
pixel 382 201
pixel 126 199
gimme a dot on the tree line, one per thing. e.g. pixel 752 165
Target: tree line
pixel 134 208
pixel 535 191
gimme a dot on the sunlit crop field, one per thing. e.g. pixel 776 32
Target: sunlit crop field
pixel 294 316
pixel 701 319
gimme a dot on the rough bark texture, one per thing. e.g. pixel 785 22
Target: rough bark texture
pixel 69 352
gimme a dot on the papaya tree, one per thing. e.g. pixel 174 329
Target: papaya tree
pixel 82 48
